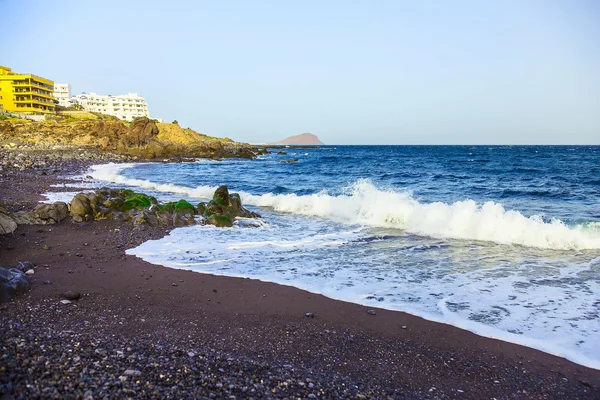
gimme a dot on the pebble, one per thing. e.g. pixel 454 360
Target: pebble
pixel 173 284
pixel 132 372
pixel 309 314
pixel 65 301
pixel 30 272
pixel 372 312
pixel 46 282
pixel 403 326
pixel 71 295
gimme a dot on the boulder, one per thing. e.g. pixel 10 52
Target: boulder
pixel 224 208
pixel 81 210
pixel 42 214
pixel 12 282
pixel 7 224
pixel 146 218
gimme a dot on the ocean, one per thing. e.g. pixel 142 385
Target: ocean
pixel 503 241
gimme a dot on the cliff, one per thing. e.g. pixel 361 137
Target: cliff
pixel 302 139
pixel 142 138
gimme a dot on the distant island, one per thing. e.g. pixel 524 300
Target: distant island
pixel 302 139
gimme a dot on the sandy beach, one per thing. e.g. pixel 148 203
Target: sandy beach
pixel 146 331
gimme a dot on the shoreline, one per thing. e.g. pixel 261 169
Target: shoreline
pixel 258 321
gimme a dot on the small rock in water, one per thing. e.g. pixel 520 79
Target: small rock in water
pixel 71 295
pixel 309 314
pixel 30 272
pixel 65 301
pixel 372 312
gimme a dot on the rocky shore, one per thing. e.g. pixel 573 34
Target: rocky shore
pixel 97 323
pixel 104 140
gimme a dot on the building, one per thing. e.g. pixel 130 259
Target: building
pixel 62 93
pixel 25 93
pixel 126 106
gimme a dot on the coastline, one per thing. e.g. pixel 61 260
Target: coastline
pixel 250 320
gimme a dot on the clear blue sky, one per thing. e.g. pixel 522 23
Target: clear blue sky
pixel 368 72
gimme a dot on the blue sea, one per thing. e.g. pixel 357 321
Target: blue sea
pixel 503 241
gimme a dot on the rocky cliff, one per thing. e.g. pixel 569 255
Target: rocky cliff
pixel 143 138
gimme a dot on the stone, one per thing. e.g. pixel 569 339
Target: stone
pixel 12 282
pixel 30 272
pixel 309 315
pixel 65 302
pixel 25 265
pixel 7 224
pixel 81 210
pixel 371 312
pixel 132 372
pixel 71 295
pixel 145 218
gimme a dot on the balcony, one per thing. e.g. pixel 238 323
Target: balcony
pixel 32 92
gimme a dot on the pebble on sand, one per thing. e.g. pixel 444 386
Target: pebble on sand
pixel 132 372
pixel 71 295
pixel 30 272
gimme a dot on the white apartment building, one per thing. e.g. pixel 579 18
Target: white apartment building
pixel 62 93
pixel 126 106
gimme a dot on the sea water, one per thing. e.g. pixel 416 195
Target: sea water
pixel 501 240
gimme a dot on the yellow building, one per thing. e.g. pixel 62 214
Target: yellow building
pixel 25 93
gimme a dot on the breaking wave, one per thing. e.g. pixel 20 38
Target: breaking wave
pixel 365 204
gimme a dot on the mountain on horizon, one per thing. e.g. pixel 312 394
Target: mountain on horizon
pixel 302 139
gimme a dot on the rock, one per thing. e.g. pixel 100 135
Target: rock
pixel 145 218
pixel 309 315
pixel 7 223
pixel 42 214
pixel 371 312
pixel 81 210
pixel 30 272
pixel 132 372
pixel 12 282
pixel 295 160
pixel 71 295
pixel 114 203
pixel 225 207
pixel 65 301
pixel 25 265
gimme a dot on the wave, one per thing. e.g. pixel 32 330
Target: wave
pixel 365 204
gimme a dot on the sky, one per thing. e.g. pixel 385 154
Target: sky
pixel 350 72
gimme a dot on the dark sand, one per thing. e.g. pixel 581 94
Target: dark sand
pixel 192 335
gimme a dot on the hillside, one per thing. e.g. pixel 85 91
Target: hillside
pixel 143 138
pixel 302 139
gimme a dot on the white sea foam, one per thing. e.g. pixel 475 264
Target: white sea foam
pixel 52 197
pixel 526 296
pixel 367 205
